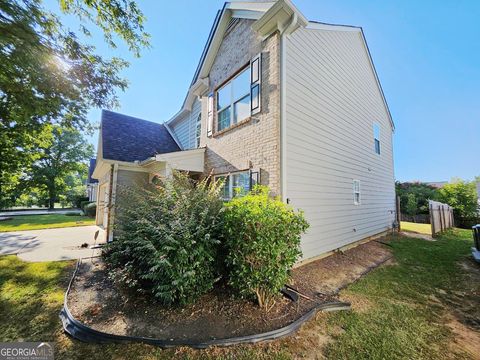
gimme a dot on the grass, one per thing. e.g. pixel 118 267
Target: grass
pixel 416 227
pixel 51 221
pixel 399 311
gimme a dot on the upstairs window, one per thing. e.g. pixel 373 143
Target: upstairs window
pixel 376 138
pixel 233 100
pixel 198 130
pixel 237 99
pixel 356 192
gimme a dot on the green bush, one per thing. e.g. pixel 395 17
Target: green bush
pixel 262 244
pixel 90 209
pixel 77 201
pixel 74 214
pixel 168 238
pixel 84 203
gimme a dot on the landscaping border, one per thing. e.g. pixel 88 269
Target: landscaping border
pixel 84 333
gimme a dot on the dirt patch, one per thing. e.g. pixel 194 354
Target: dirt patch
pixel 464 338
pixel 328 275
pixel 416 235
pixel 99 303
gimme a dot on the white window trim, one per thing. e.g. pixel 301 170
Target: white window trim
pixel 359 192
pixel 233 101
pixel 230 181
pixel 374 127
pixel 198 130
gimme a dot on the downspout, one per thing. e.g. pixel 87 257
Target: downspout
pixel 111 201
pixel 283 125
pixel 109 206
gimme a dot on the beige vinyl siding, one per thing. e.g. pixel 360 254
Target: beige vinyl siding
pixel 132 178
pixel 332 101
pixel 184 127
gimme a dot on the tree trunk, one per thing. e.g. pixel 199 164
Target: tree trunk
pixel 51 196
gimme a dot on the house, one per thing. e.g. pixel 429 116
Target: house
pixel 278 100
pixel 478 194
pixel 92 184
pixel 437 184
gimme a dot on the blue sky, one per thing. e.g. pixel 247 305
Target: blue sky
pixel 426 53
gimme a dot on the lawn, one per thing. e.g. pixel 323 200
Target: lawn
pixel 416 227
pixel 51 221
pixel 404 310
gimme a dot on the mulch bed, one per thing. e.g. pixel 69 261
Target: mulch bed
pixel 102 305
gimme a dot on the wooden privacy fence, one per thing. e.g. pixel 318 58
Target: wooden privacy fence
pixel 441 216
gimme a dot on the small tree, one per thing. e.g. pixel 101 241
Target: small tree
pixel 168 238
pixel 462 196
pixel 421 192
pixel 262 244
pixel 411 207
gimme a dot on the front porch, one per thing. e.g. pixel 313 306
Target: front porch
pixel 112 173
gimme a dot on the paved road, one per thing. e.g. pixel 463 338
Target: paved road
pixel 51 244
pixel 39 212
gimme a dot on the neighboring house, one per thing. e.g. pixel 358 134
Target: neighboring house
pixel 478 194
pixel 278 100
pixel 436 184
pixel 92 184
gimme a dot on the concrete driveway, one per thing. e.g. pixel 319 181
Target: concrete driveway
pixel 52 244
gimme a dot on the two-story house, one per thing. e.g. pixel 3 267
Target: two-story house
pixel 278 100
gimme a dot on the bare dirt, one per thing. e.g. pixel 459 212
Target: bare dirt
pixel 330 274
pixel 463 311
pixel 101 304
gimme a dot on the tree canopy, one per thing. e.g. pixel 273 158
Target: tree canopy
pixel 414 197
pixel 49 77
pixel 60 157
pixel 462 196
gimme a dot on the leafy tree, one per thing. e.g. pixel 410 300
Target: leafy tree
pixel 49 77
pixel 462 196
pixel 56 161
pixel 421 192
pixel 74 186
pixel 411 208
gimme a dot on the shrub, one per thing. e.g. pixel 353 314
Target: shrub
pixel 84 203
pixel 77 201
pixel 168 237
pixel 73 214
pixel 90 209
pixel 462 196
pixel 262 244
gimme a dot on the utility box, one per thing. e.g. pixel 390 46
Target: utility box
pixel 476 242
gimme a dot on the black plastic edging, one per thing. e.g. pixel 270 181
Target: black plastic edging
pixel 84 333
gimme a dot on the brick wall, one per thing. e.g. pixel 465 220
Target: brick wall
pixel 254 144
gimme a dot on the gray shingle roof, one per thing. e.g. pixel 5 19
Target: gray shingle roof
pixel 126 138
pixel 90 172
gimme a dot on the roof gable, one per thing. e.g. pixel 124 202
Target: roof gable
pixel 126 138
pixel 91 167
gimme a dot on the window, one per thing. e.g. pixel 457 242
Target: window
pixel 236 184
pixel 356 192
pixel 233 100
pixel 198 129
pixel 376 138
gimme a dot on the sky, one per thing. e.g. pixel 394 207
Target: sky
pixel 426 53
